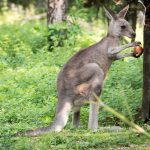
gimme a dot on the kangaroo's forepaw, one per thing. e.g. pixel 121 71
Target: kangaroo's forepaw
pixel 136 43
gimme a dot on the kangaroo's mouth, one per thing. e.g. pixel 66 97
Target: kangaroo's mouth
pixel 131 37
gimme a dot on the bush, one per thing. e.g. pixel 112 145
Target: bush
pixel 62 34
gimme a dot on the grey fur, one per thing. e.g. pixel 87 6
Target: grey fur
pixel 84 74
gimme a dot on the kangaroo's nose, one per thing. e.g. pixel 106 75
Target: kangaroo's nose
pixel 133 35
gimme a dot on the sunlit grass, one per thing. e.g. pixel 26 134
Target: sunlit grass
pixel 16 14
pixel 10 17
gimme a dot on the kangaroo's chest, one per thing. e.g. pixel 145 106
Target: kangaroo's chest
pixel 102 59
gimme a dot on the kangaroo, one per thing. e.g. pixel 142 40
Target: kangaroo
pixel 84 75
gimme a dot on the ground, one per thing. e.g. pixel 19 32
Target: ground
pixel 79 139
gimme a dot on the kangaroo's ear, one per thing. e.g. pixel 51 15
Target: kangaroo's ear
pixel 110 14
pixel 123 12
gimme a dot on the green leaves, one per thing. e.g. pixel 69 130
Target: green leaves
pixel 62 35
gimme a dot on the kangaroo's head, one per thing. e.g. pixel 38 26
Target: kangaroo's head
pixel 118 25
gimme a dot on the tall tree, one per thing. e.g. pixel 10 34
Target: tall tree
pixel 56 11
pixel 146 86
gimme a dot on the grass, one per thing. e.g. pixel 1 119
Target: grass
pixel 79 139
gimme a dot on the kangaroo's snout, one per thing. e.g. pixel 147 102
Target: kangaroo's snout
pixel 133 35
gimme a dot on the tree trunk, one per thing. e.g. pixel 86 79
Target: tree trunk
pixel 146 64
pixel 133 19
pixel 56 11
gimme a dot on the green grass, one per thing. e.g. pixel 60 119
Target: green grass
pixel 79 140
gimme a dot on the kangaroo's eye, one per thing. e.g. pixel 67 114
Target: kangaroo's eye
pixel 123 27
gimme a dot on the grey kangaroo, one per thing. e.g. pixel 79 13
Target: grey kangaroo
pixel 84 74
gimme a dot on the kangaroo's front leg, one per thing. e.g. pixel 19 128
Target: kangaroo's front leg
pixel 118 57
pixel 113 51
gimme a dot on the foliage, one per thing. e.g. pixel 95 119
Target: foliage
pixel 62 34
pixel 17 44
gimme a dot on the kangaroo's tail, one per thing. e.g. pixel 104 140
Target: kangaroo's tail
pixel 34 132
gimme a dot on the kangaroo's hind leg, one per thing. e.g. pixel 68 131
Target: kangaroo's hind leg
pixel 91 79
pixel 96 88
